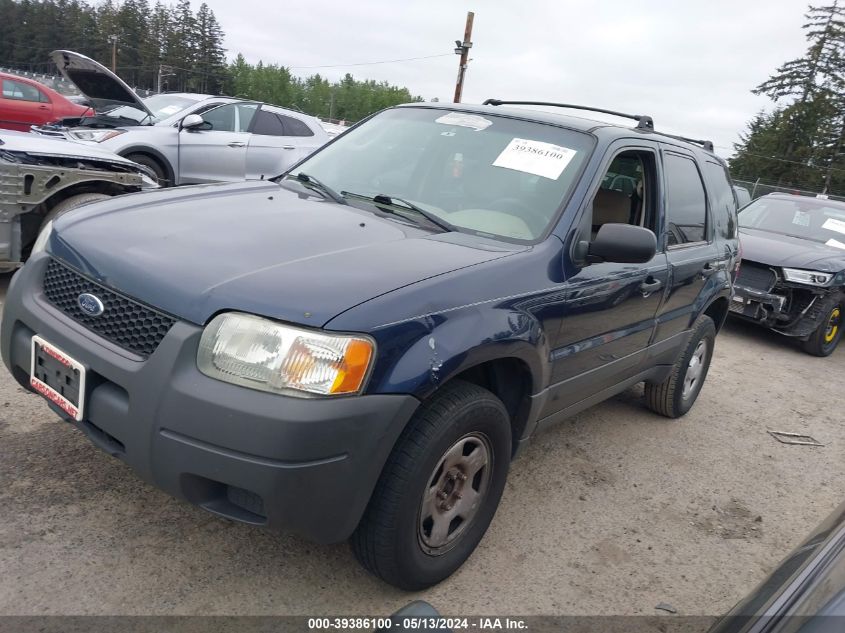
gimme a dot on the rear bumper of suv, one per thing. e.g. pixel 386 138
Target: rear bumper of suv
pixel 306 465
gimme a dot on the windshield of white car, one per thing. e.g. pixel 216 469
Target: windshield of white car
pixel 479 173
pixel 804 218
pixel 162 106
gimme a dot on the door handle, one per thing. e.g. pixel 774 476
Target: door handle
pixel 709 269
pixel 237 144
pixel 650 285
pixel 288 147
pixel 43 107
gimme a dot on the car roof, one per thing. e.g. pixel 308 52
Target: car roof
pixel 578 123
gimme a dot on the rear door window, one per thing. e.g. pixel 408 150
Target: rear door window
pixel 686 202
pixel 22 92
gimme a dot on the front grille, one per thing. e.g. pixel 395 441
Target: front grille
pixel 756 276
pixel 124 321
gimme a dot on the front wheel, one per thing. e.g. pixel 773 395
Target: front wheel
pixel 824 340
pixel 439 490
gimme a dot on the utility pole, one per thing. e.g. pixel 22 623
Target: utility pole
pixel 113 40
pixel 163 71
pixel 462 49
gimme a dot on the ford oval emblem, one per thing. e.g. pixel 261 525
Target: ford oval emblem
pixel 90 304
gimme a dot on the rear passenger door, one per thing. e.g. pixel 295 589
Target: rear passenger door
pixel 688 238
pixel 277 142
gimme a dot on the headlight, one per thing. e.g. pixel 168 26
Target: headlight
pixel 98 136
pixel 261 354
pixel 41 240
pixel 810 277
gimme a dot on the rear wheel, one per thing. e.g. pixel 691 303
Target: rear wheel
pixel 675 396
pixel 439 490
pixel 824 340
pixel 154 165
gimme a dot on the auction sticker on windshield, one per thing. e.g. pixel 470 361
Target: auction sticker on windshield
pixel 535 157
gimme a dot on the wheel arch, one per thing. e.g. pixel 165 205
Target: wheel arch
pixel 155 155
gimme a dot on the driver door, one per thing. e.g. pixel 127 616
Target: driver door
pixel 217 150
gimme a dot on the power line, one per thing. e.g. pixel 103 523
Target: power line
pixel 383 61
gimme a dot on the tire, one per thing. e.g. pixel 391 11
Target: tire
pixel 71 203
pixel 824 340
pixel 675 396
pixel 154 164
pixel 409 536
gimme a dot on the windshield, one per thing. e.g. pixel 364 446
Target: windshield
pixel 162 107
pixel 483 174
pixel 807 218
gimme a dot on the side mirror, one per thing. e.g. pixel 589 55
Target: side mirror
pixel 623 244
pixel 192 122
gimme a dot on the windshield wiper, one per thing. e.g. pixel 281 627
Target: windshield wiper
pixel 384 202
pixel 323 188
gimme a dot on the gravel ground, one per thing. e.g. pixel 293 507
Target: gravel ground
pixel 611 512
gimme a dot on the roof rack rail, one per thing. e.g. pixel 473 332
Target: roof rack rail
pixel 707 145
pixel 644 121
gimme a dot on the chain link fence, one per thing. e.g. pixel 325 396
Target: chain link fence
pixel 759 188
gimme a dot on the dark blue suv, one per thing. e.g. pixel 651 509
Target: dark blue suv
pixel 358 347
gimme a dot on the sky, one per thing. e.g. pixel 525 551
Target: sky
pixel 691 65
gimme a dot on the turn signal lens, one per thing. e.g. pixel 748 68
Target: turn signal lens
pixel 261 354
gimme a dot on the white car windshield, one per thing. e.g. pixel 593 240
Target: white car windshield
pixel 162 106
pixel 480 173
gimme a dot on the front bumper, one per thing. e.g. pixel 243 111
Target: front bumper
pixel 303 465
pixel 796 312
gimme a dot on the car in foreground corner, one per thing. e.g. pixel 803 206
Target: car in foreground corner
pixel 185 138
pixel 792 278
pixel 44 178
pixel 25 102
pixel 357 348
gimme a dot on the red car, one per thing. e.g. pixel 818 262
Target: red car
pixel 24 102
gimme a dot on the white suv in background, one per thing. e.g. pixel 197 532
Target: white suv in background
pixel 184 137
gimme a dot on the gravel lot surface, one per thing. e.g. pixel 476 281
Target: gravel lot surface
pixel 611 512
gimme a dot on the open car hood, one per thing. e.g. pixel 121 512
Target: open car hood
pixel 100 86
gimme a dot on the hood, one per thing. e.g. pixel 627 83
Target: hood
pixel 38 145
pixel 773 249
pixel 97 83
pixel 254 247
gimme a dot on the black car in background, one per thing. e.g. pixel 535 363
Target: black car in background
pixel 793 268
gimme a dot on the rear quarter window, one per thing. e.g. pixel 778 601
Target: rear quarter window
pixel 723 199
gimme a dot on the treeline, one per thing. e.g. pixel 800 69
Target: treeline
pixel 181 48
pixel 801 142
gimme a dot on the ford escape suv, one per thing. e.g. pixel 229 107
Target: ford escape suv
pixel 357 348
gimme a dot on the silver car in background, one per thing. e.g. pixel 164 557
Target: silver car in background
pixel 185 138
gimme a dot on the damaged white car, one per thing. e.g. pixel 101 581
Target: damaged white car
pixel 42 178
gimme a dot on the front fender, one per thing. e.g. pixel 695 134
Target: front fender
pixel 418 355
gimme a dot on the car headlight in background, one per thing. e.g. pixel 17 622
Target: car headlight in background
pixel 98 136
pixel 810 277
pixel 258 353
pixel 41 241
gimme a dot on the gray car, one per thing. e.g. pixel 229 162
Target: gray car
pixel 184 137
